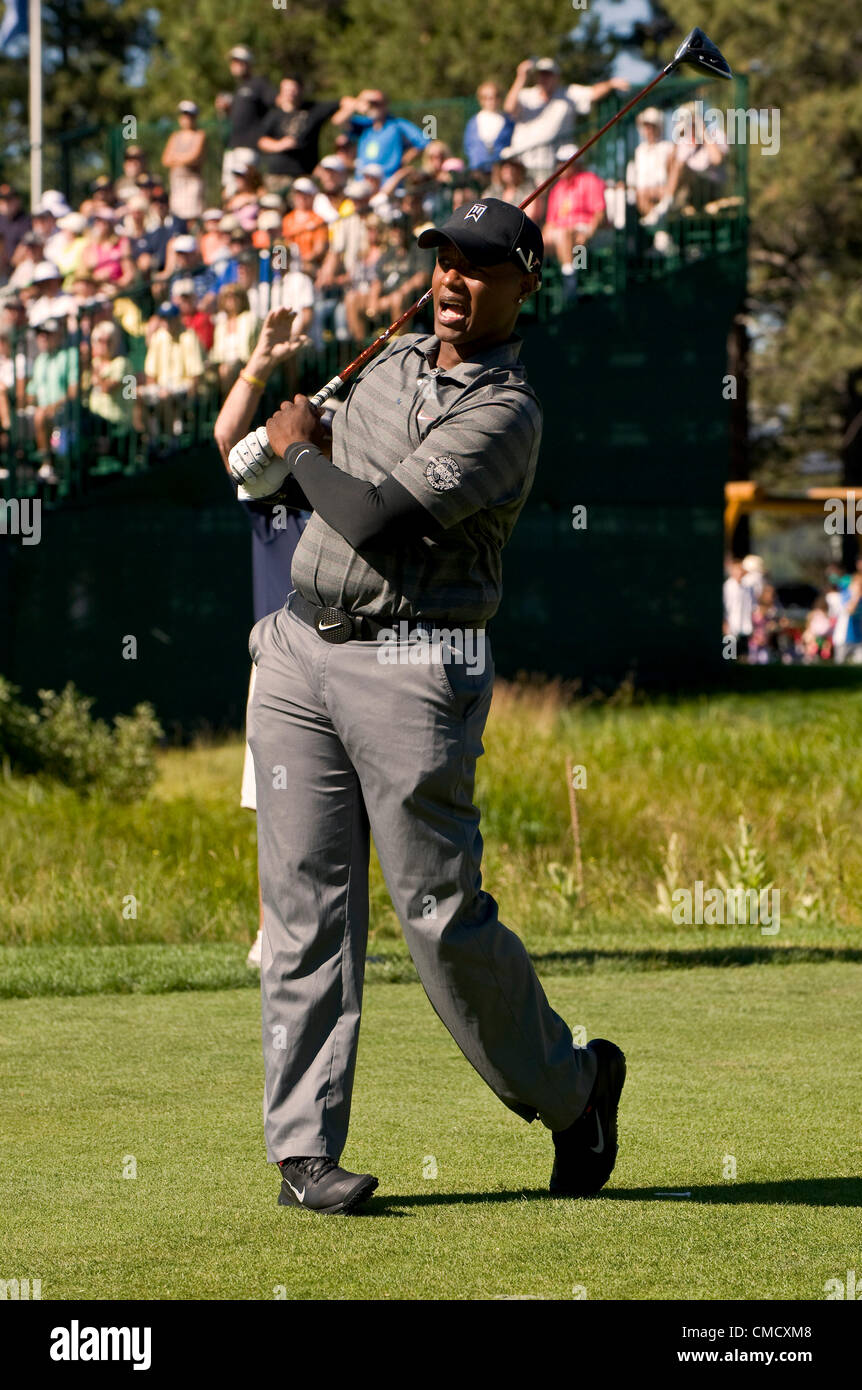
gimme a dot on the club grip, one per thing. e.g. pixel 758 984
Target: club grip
pixel 327 391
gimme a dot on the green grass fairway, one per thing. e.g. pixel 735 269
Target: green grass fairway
pixel 757 1063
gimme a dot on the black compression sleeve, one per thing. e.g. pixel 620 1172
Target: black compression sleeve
pixel 359 511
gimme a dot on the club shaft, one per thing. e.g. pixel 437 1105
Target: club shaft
pixel 367 353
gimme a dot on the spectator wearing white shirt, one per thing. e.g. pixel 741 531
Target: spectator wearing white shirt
pixel 289 289
pixel 52 303
pixel 545 113
pixel 648 170
pixel 236 330
pixel 738 608
pixel 330 176
pixel 487 133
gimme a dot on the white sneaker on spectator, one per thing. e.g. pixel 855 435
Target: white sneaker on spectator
pixel 253 957
pixel 47 473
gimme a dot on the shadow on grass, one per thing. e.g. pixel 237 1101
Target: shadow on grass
pixel 796 1192
pixel 663 958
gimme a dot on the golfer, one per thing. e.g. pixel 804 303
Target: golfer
pixel 373 687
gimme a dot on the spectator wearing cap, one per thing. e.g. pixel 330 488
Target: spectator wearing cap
pixel 246 108
pixel 110 375
pixel 53 385
pixel 268 224
pixel 14 223
pixel 183 156
pixel 487 133
pixel 134 165
pixel 290 134
pixel 224 264
pixel 382 138
pixel 239 242
pixel 45 227
pixel 436 188
pixel 173 367
pixel 53 302
pixel 545 112
pixel 380 201
pixel 244 203
pixel 184 260
pixel 211 239
pixel 135 222
pixel 576 210
pixel 236 330
pixel 192 315
pixel 330 177
pixel 303 226
pixel 152 257
pixel 648 169
pixel 67 247
pixel 55 200
pixel 104 253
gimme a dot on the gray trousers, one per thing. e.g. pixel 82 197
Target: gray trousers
pixel 343 744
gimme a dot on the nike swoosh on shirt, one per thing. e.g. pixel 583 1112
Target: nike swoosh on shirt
pixel 300 1196
pixel 599 1147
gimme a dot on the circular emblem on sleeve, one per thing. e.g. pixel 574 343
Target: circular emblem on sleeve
pixel 443 473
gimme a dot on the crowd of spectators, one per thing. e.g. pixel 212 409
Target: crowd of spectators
pixel 119 315
pixel 765 631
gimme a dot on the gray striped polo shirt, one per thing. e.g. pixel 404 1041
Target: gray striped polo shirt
pixel 464 442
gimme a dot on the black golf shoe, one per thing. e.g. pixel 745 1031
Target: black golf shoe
pixel 318 1184
pixel 585 1153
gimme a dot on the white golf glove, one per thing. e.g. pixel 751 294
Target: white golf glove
pixel 265 484
pixel 255 467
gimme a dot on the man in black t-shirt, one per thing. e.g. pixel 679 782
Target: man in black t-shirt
pixel 290 134
pixel 246 109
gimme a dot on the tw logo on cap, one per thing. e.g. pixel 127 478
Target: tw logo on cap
pixel 475 212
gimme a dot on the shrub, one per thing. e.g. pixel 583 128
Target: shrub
pixel 62 740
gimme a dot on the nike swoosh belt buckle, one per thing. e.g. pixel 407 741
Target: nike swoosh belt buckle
pixel 334 625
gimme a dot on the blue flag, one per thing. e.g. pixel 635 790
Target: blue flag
pixel 15 22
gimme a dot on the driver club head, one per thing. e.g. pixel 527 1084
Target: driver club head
pixel 698 51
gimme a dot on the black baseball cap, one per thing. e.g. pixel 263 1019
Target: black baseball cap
pixel 490 232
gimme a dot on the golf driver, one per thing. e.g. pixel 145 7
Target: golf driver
pixel 251 455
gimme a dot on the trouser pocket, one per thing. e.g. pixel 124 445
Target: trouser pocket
pixel 257 637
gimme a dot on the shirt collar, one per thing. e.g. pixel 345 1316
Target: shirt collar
pixel 500 355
